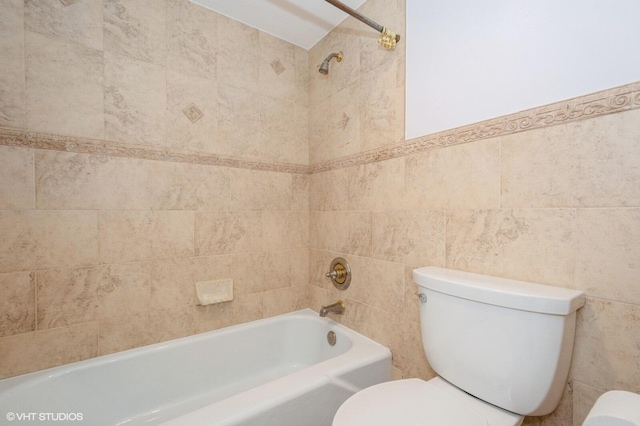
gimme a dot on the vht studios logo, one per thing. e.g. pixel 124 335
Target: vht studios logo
pixel 44 417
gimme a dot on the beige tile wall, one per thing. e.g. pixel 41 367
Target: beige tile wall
pixel 101 253
pixel 556 205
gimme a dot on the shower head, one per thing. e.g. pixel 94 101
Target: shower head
pixel 324 68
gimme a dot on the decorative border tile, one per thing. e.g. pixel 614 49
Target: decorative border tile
pixel 12 137
pixel 609 101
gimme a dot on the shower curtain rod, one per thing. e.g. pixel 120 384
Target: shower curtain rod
pixel 388 39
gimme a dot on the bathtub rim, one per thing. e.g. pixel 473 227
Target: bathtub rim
pixel 38 376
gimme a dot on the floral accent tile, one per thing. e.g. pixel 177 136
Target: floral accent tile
pixel 193 113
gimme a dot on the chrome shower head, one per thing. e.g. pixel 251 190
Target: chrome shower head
pixel 324 67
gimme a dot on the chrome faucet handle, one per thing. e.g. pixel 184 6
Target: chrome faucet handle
pixel 336 274
pixel 340 273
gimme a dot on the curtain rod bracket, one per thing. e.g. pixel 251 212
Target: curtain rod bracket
pixel 388 39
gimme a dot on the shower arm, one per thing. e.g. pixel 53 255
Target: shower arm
pixel 362 18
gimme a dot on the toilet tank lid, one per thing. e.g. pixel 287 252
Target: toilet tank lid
pixel 514 294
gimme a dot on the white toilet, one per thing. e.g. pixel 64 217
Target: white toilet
pixel 502 349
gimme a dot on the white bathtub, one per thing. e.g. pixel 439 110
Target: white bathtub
pixel 277 371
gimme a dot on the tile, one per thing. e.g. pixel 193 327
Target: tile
pixel 300 144
pixel 227 232
pixel 180 186
pixel 71 296
pixel 78 181
pixel 80 22
pixel 409 237
pixel 285 230
pixel 173 281
pixel 344 232
pixel 277 71
pixel 284 300
pixel 411 358
pixel 534 245
pixel 133 236
pixel 136 29
pixel 377 186
pixel 258 190
pixel 411 302
pixel 301 64
pixel 584 396
pixel 12 69
pixel 24 353
pixel 47 239
pixel 64 87
pixel 238 122
pixel 377 283
pixel 278 132
pixel 134 101
pixel 319 84
pixel 299 260
pixel 261 271
pixel 64 239
pixel 335 125
pixel 300 193
pixel 17 176
pixel 608 249
pixel 588 163
pixel 169 324
pixel 457 177
pixel 238 61
pixel 317 297
pixel 126 332
pixel 193 113
pixel 243 308
pixel 606 345
pixel 381 326
pixel 134 330
pixel 329 190
pixel 189 91
pixel 192 39
pixel 382 109
pixel 17 303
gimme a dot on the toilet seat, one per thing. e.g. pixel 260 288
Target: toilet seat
pixel 415 402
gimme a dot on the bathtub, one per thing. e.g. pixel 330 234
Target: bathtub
pixel 276 371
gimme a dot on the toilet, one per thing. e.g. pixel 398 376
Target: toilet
pixel 501 349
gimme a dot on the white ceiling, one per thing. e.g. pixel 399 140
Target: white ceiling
pixel 301 22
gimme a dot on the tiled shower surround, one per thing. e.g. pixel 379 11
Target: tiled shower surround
pixel 149 145
pixel 146 146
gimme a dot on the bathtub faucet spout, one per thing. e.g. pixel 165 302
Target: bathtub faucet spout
pixel 336 308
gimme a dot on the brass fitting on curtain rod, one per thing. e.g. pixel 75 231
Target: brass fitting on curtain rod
pixel 388 39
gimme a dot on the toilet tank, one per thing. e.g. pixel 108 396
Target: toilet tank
pixel 504 341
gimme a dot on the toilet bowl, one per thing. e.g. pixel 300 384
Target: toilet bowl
pixel 415 402
pixel 615 408
pixel 501 349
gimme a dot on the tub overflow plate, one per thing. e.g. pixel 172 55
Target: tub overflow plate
pixel 331 338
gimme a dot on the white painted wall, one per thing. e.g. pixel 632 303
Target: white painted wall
pixel 470 60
